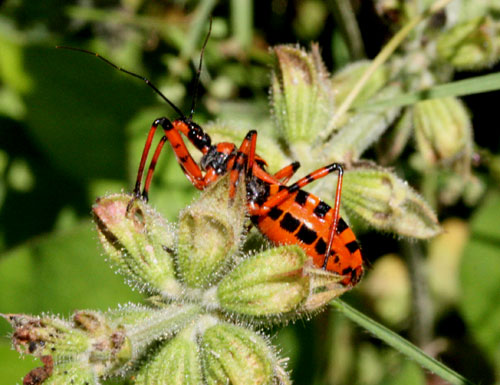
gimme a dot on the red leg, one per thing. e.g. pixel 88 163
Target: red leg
pixel 152 166
pixel 172 133
pixel 145 152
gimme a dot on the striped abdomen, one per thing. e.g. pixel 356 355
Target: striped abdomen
pixel 305 220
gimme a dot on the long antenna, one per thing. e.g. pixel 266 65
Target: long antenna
pixel 197 82
pixel 146 80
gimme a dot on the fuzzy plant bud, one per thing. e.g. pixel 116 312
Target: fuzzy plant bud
pixel 177 362
pixel 301 94
pixel 210 233
pixel 139 241
pixel 47 336
pixel 388 203
pixel 270 283
pixel 235 355
pixel 471 44
pixel 443 131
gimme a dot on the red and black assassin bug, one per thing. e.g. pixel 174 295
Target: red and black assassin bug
pixel 284 214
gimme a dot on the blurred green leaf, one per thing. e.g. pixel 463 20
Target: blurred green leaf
pixel 12 368
pixel 77 111
pixel 60 272
pixel 480 278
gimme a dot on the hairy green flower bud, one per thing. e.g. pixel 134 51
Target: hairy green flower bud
pixel 269 283
pixel 176 363
pixel 47 336
pixel 388 203
pixel 210 233
pixel 139 241
pixel 471 44
pixel 443 131
pixel 302 97
pixel 235 355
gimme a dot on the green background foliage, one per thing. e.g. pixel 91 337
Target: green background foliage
pixel 72 129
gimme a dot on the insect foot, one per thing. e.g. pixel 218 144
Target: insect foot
pixel 209 296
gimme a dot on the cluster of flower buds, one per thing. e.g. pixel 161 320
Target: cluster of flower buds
pixel 208 298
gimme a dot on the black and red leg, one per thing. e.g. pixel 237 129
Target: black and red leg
pixel 172 133
pixel 287 172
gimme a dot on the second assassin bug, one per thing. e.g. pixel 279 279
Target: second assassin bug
pixel 285 214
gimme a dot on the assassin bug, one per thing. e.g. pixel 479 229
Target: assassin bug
pixel 284 214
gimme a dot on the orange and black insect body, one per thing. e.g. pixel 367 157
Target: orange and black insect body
pixel 290 215
pixel 284 214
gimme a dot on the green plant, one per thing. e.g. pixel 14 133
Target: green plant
pixel 405 91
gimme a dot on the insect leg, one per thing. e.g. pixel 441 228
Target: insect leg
pixel 186 161
pixel 287 172
pixel 243 161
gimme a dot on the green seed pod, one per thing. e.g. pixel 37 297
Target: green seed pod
pixel 210 233
pixel 443 131
pixel 270 283
pixel 176 363
pixel 301 95
pixel 48 336
pixel 235 355
pixel 139 241
pixel 388 203
pixel 471 44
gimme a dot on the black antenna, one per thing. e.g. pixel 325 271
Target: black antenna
pixel 197 82
pixel 146 80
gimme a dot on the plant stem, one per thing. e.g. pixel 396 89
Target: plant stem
pixel 400 344
pixel 241 22
pixel 198 25
pixel 422 309
pixel 345 18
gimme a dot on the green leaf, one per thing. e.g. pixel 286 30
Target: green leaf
pixel 480 277
pixel 59 273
